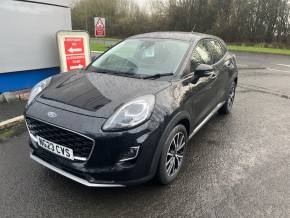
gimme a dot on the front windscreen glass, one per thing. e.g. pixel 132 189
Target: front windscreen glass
pixel 142 57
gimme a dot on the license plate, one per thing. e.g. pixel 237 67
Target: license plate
pixel 55 148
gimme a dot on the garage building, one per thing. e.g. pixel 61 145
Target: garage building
pixel 28 45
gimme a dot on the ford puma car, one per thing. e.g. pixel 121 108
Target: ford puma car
pixel 128 116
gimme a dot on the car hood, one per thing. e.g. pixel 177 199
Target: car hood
pixel 96 94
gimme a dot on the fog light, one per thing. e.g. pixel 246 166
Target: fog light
pixel 131 154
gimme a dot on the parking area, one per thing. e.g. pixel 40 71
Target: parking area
pixel 237 166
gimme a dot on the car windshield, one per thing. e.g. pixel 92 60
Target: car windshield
pixel 142 58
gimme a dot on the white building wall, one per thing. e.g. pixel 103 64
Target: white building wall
pixel 28 33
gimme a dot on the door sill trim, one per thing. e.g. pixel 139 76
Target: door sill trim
pixel 206 119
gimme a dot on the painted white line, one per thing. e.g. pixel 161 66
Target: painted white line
pixel 285 71
pixel 97 51
pixel 284 65
pixel 242 65
pixel 10 122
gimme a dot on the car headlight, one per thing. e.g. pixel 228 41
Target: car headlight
pixel 131 114
pixel 38 88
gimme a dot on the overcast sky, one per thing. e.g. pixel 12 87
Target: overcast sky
pixel 140 2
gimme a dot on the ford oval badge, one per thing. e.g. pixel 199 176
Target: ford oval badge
pixel 51 114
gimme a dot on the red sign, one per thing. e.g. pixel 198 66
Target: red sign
pixel 74 52
pixel 100 26
pixel 75 62
pixel 73 45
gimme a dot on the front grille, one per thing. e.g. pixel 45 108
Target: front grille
pixel 81 145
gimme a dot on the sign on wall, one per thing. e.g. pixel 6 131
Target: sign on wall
pixel 100 27
pixel 74 50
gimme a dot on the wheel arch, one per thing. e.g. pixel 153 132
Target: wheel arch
pixel 236 80
pixel 186 123
pixel 181 117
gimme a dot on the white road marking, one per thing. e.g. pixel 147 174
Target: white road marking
pixel 285 71
pixel 284 65
pixel 242 65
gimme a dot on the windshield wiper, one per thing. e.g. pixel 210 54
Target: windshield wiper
pixel 134 75
pixel 118 73
pixel 158 75
pixel 100 71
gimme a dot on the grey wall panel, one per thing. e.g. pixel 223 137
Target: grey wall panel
pixel 28 35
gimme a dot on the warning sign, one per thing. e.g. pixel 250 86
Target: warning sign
pixel 100 26
pixel 73 49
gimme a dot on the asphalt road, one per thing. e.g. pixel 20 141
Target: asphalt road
pixel 108 42
pixel 238 166
pixel 275 63
pixel 13 109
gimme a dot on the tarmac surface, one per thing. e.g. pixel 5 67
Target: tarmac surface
pixel 13 109
pixel 237 166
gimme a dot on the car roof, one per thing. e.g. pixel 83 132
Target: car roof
pixel 185 36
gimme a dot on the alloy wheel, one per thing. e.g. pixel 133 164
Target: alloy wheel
pixel 231 97
pixel 175 154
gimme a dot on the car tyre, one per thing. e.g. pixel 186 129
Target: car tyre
pixel 228 105
pixel 172 156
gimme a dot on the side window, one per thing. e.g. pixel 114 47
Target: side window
pixel 195 60
pixel 218 50
pixel 204 52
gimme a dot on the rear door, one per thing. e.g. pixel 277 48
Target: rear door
pixel 223 66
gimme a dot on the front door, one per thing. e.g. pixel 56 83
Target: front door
pixel 204 97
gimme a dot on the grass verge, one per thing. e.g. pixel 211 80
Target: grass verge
pixel 98 47
pixel 10 132
pixel 255 49
pixel 108 38
pixel 252 49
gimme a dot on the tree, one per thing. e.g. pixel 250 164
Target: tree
pixel 233 20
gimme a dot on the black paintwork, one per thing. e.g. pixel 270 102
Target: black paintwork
pixel 84 100
pixel 96 94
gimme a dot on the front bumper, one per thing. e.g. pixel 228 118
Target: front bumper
pixel 71 176
pixel 103 167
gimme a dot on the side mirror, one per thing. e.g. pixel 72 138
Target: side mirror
pixel 203 70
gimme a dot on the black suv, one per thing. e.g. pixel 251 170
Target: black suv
pixel 128 116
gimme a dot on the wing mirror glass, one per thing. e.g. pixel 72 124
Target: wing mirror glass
pixel 203 70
